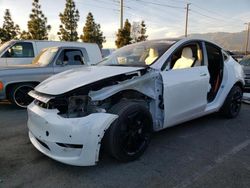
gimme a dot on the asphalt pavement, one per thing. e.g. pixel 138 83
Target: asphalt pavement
pixel 208 152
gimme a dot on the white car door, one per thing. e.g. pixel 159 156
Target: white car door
pixel 185 86
pixel 184 94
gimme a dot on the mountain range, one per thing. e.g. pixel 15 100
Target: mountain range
pixel 229 41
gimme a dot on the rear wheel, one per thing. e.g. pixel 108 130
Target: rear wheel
pixel 129 135
pixel 19 94
pixel 232 104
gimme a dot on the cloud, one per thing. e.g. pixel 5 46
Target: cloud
pixel 163 32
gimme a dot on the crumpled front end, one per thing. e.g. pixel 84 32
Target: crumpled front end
pixel 69 126
pixel 74 141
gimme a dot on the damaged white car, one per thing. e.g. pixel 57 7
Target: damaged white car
pixel 139 89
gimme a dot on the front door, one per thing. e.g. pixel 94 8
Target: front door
pixel 186 84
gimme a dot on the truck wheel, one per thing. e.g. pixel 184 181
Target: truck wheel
pixel 19 94
pixel 129 135
pixel 232 104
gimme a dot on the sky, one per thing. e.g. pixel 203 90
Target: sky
pixel 163 18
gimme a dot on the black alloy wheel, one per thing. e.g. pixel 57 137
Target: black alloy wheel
pixel 19 95
pixel 129 135
pixel 232 104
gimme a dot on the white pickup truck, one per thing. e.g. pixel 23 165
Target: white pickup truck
pixel 18 52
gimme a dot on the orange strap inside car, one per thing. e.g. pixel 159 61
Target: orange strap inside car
pixel 217 84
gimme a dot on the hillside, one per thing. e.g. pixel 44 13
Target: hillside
pixel 230 41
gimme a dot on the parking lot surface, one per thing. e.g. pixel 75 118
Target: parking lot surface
pixel 208 152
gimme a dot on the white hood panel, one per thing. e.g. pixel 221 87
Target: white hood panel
pixel 75 78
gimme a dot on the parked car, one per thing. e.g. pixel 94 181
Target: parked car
pixel 245 63
pixel 17 52
pixel 140 88
pixel 16 81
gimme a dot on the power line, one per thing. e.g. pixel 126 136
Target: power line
pixel 160 4
pixel 226 18
pixel 213 12
pixel 97 6
pixel 113 3
pixel 156 11
pixel 197 12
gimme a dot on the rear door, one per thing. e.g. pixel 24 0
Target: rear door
pixel 20 53
pixel 185 89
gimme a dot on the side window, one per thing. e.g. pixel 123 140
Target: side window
pixel 20 50
pixel 71 57
pixel 214 56
pixel 187 56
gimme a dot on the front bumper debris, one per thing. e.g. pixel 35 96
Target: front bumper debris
pixel 74 141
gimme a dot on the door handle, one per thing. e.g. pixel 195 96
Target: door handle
pixel 203 74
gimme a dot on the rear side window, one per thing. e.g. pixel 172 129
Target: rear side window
pixel 71 57
pixel 214 55
pixel 20 50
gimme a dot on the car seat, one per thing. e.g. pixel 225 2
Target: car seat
pixel 199 58
pixel 186 59
pixel 152 56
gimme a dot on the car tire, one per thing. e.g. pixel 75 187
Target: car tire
pixel 19 94
pixel 232 104
pixel 129 135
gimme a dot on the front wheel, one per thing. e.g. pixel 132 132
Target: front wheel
pixel 19 94
pixel 129 135
pixel 232 104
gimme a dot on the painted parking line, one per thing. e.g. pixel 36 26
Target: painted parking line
pixel 217 161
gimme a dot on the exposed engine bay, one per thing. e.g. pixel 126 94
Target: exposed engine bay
pixel 143 86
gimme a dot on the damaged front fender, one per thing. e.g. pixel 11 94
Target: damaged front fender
pixel 144 84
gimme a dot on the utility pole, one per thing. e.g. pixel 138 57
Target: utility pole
pixel 248 25
pixel 187 9
pixel 121 14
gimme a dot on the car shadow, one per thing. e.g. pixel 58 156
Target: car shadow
pixel 6 105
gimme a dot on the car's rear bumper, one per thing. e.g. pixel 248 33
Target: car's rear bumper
pixel 74 141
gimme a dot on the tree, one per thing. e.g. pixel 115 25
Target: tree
pixel 69 19
pixel 92 32
pixel 123 35
pixel 138 32
pixel 142 36
pixel 37 25
pixel 9 30
pixel 25 35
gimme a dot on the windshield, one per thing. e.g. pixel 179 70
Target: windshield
pixel 139 54
pixel 45 57
pixel 245 61
pixel 5 45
